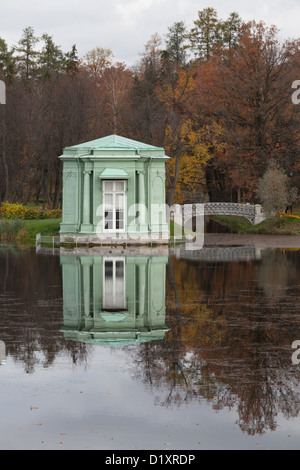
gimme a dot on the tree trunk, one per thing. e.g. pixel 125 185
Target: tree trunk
pixel 5 166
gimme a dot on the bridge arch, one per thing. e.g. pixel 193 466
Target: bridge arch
pixel 253 213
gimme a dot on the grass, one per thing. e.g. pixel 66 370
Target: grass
pixel 233 224
pixel 42 226
pixel 271 226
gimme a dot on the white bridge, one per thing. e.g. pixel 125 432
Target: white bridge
pixel 184 213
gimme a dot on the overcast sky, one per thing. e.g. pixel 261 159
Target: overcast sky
pixel 124 26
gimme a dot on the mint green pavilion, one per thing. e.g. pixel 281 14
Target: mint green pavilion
pixel 114 190
pixel 115 299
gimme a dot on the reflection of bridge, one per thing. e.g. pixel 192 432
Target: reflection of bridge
pixel 251 212
pixel 219 254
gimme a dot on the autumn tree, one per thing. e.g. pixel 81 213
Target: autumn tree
pixel 116 82
pixel 97 60
pixel 274 189
pixel 147 116
pixel 246 90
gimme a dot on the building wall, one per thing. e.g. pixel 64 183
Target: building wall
pixel 145 185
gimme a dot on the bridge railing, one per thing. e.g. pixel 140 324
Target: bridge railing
pixel 250 211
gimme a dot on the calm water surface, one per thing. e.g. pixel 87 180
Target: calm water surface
pixel 114 351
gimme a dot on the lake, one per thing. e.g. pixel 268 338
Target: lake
pixel 125 350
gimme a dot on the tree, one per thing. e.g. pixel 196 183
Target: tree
pixel 116 82
pixel 273 189
pixel 246 89
pixel 231 29
pixel 176 49
pixel 7 63
pixel 27 54
pixel 71 60
pixel 51 58
pixel 191 151
pixel 147 116
pixel 205 34
pixel 97 60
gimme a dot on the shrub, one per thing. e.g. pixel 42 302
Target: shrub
pixel 22 236
pixel 15 210
pixel 9 229
pixel 273 189
pixel 12 211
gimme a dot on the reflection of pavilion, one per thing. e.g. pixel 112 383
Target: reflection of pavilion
pixel 2 352
pixel 113 299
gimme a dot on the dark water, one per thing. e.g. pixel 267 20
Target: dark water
pixel 150 352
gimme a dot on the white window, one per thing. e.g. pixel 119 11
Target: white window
pixel 114 204
pixel 114 298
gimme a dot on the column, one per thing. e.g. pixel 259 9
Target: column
pixel 142 288
pixel 86 263
pixel 86 222
pixel 142 203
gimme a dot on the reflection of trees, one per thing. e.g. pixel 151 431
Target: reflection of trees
pixel 274 273
pixel 229 342
pixel 31 310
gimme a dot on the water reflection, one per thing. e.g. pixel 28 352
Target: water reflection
pixel 195 328
pixel 113 300
pixel 231 330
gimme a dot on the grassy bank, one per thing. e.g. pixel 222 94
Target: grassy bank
pixel 24 232
pixel 43 226
pixel 20 224
pixel 273 226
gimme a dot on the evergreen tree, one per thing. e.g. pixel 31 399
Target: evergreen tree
pixel 176 43
pixel 51 58
pixel 7 64
pixel 26 53
pixel 71 60
pixel 206 33
pixel 231 29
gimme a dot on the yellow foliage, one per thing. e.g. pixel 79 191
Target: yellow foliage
pixel 290 216
pixel 18 211
pixel 196 149
pixel 173 95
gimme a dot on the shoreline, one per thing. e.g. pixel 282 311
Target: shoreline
pixel 256 240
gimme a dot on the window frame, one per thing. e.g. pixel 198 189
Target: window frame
pixel 114 192
pixel 114 293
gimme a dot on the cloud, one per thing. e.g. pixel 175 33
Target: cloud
pixel 126 25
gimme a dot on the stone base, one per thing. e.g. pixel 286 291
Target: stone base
pixel 119 239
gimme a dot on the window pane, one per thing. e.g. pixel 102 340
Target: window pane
pixel 119 185
pixel 108 185
pixel 108 269
pixel 119 220
pixel 119 201
pixel 120 269
pixel 108 223
pixel 108 199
